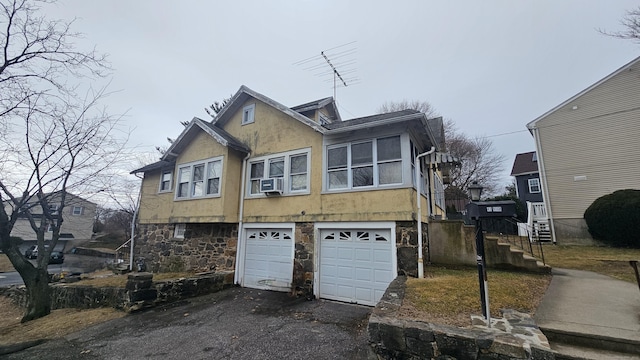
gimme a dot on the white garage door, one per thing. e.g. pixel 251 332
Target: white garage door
pixel 355 265
pixel 268 262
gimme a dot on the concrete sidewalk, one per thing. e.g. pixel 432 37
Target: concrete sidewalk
pixel 586 309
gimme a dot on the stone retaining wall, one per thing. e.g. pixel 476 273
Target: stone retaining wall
pixel 141 292
pixel 395 338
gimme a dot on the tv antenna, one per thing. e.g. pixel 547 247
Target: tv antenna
pixel 340 57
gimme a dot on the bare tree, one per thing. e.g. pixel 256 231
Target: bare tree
pixel 422 106
pixel 480 162
pixel 631 23
pixel 53 139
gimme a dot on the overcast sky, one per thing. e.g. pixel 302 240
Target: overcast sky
pixel 491 66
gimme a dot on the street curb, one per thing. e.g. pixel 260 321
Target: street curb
pixel 9 349
pixel 593 341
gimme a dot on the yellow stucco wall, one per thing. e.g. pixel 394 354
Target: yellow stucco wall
pixel 272 132
pixel 162 208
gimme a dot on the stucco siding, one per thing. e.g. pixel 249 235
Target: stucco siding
pixel 589 147
pixel 164 208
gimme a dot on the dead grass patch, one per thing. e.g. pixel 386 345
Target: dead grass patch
pixel 609 261
pixel 5 264
pixel 59 323
pixel 450 296
pixel 106 278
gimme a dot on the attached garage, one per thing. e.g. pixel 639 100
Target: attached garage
pixel 356 264
pixel 268 258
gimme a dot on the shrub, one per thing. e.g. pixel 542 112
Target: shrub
pixel 615 218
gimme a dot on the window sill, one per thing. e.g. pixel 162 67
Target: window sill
pixel 369 188
pixel 198 198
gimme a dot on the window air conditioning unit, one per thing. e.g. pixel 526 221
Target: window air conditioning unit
pixel 271 186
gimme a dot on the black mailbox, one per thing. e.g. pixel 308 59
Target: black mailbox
pixel 496 216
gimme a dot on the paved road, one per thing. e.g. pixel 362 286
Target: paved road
pixel 72 263
pixel 233 324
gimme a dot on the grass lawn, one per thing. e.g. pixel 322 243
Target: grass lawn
pixel 5 264
pixel 451 295
pixel 57 324
pixel 613 262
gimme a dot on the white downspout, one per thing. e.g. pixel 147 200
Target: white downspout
pixel 240 222
pixel 133 226
pixel 545 188
pixel 419 200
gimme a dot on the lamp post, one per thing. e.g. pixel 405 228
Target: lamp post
pixel 475 190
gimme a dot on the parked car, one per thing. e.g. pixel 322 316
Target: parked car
pixel 32 251
pixel 56 257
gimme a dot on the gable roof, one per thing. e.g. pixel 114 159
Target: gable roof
pixel 525 164
pixel 532 124
pixel 196 124
pixel 320 104
pixel 243 94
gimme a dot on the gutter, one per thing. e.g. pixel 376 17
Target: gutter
pixel 367 125
pixel 419 201
pixel 240 245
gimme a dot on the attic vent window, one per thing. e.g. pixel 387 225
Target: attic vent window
pixel 248 113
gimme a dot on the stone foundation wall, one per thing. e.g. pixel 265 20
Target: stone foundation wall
pixel 407 247
pixel 205 247
pixel 303 259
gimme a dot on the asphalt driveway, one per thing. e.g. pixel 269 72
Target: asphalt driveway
pixel 233 324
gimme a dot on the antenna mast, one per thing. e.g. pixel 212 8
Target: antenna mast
pixel 342 59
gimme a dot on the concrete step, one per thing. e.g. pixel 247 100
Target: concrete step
pixel 572 352
pixel 592 342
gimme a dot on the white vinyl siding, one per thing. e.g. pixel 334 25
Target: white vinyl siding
pixel 597 140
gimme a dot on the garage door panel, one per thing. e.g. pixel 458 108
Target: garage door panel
pixel 355 265
pixel 268 260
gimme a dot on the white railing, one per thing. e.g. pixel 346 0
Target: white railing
pixel 122 248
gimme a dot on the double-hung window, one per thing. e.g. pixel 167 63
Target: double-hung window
pixel 199 179
pixel 165 180
pixel 534 186
pixel 248 114
pixel 364 164
pixel 291 167
pixel 76 210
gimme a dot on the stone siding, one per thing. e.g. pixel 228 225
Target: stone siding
pixel 407 247
pixel 303 260
pixel 204 247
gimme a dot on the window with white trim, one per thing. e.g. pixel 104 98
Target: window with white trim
pixel 534 186
pixel 438 191
pixel 199 179
pixel 76 210
pixel 364 164
pixel 165 181
pixel 424 185
pixel 292 167
pixel 179 230
pixel 53 209
pixel 248 114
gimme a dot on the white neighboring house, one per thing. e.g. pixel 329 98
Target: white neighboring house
pixel 588 147
pixel 78 215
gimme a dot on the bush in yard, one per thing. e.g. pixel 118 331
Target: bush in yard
pixel 615 218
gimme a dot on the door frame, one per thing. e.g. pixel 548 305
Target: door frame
pixel 319 226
